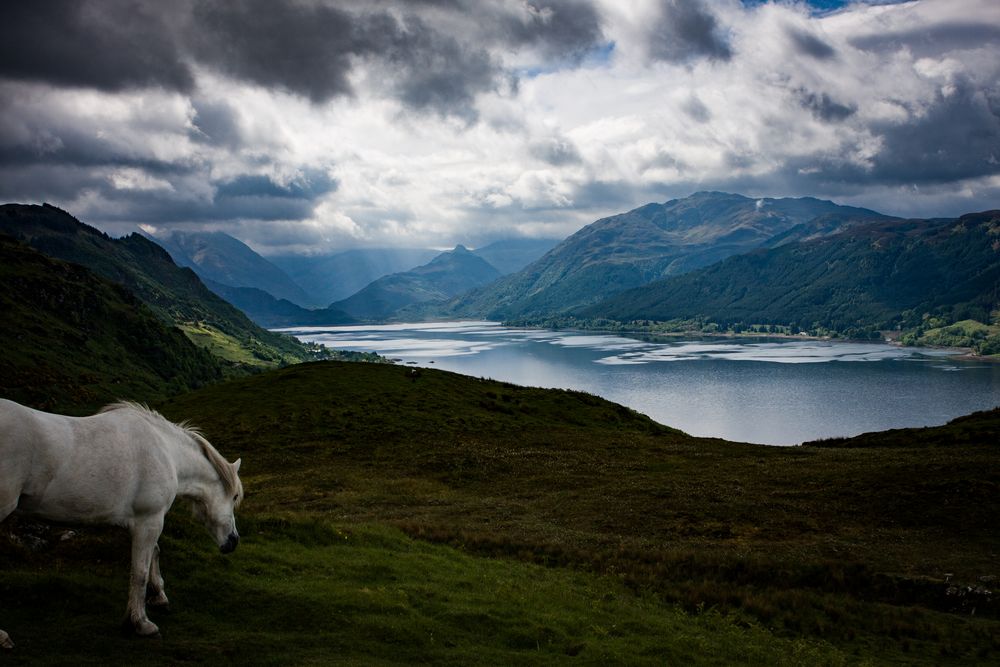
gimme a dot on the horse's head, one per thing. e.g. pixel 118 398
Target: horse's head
pixel 217 506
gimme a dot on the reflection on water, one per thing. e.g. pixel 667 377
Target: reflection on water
pixel 768 391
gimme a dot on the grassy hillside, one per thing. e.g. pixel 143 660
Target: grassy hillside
pixel 551 526
pixel 898 274
pixel 845 545
pixel 176 295
pixel 73 341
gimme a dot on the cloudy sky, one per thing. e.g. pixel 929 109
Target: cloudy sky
pixel 314 125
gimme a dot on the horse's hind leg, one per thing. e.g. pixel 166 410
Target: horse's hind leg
pixel 144 537
pixel 155 596
pixel 7 505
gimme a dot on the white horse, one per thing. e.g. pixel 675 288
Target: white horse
pixel 124 466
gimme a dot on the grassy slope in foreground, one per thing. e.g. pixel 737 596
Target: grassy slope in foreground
pixel 846 545
pixel 829 554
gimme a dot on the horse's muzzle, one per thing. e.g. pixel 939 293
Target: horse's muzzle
pixel 230 545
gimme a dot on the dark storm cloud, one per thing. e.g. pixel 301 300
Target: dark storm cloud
pixel 246 197
pixel 302 48
pixel 931 40
pixel 824 107
pixel 311 185
pixel 560 28
pixel 687 30
pixel 696 109
pixel 810 45
pixel 957 137
pixel 306 48
pixel 216 123
pixel 555 151
pixel 112 45
pixel 431 72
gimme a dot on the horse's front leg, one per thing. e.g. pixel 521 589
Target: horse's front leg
pixel 145 533
pixel 155 595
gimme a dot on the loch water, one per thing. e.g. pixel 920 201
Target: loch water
pixel 770 391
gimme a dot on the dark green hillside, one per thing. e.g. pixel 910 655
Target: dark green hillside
pixel 848 545
pixel 656 240
pixel 73 341
pixel 550 527
pixel 445 276
pixel 176 295
pixel 881 276
pixel 979 427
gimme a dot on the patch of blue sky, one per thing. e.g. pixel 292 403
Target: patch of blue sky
pixel 599 56
pixel 827 6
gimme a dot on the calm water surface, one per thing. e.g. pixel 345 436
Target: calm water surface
pixel 766 391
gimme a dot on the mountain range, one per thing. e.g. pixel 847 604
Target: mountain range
pixel 891 274
pixel 650 242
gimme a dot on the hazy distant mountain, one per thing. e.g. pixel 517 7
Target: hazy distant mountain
pixel 176 295
pixel 223 259
pixel 447 275
pixel 870 277
pixel 333 277
pixel 267 311
pixel 511 255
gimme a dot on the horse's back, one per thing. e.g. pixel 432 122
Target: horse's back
pixel 79 468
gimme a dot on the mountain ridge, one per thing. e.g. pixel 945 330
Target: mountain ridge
pixel 646 243
pixel 73 340
pixel 176 295
pixel 225 260
pixel 895 274
pixel 447 275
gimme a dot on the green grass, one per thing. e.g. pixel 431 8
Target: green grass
pixel 311 592
pixel 982 338
pixel 610 531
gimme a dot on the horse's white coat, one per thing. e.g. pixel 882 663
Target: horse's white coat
pixel 124 466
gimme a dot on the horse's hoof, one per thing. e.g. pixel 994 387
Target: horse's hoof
pixel 158 603
pixel 143 628
pixel 5 641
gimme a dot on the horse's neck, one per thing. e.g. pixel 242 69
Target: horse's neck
pixel 195 473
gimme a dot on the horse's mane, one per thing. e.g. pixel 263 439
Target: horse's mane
pixel 225 470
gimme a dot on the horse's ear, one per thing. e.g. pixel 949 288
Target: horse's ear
pixel 236 465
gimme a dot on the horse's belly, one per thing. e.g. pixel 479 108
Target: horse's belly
pixel 67 510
